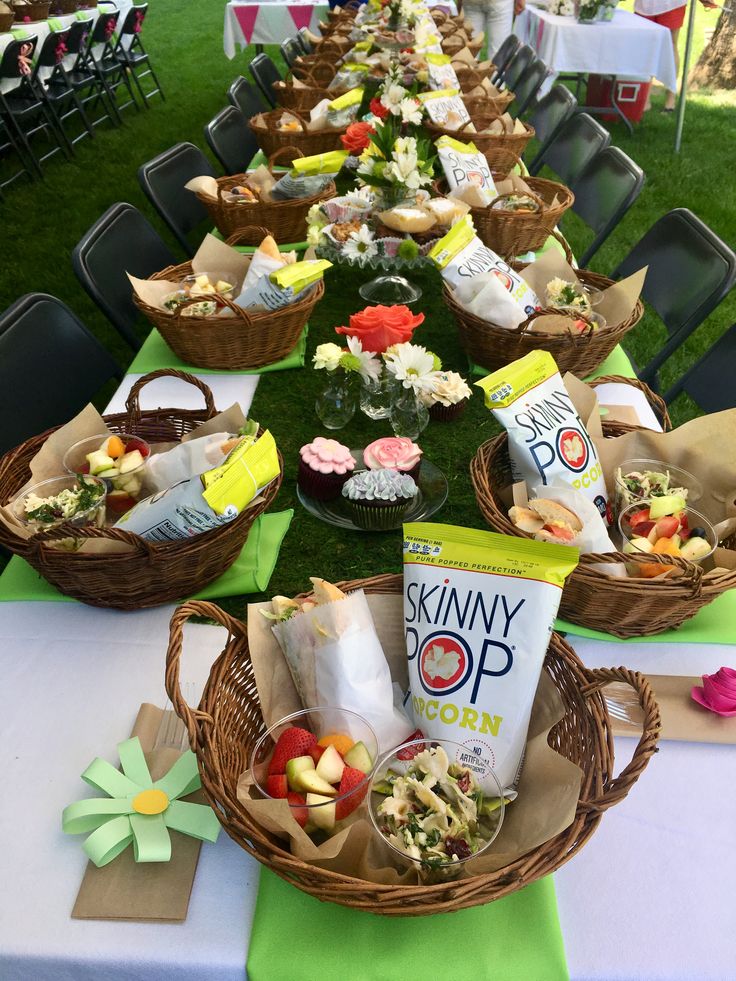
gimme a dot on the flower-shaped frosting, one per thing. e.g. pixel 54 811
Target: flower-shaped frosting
pixel 379 485
pixel 327 456
pixel 718 693
pixel 392 453
pixel 380 326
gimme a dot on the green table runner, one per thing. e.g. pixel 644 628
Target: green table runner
pixel 156 354
pixel 514 939
pixel 250 573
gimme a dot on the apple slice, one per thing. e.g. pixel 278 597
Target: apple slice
pixel 99 462
pixel 130 461
pixel 359 758
pixel 312 782
pixel 295 767
pixel 638 545
pixel 330 765
pixel 322 816
pixel 694 549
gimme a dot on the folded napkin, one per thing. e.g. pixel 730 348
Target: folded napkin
pixel 156 354
pixel 515 939
pixel 250 573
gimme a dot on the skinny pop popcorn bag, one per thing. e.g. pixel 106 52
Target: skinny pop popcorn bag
pixel 478 615
pixel 547 438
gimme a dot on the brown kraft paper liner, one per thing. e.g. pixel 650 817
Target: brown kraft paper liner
pixel 144 892
pixel 548 790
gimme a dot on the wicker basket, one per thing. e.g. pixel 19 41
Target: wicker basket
pixel 582 352
pixel 287 220
pixel 226 725
pixel 32 11
pixel 495 105
pixel 454 44
pixel 61 7
pixel 238 343
pixel 148 574
pixel 6 21
pixel 481 118
pixel 294 97
pixel 624 607
pixel 270 139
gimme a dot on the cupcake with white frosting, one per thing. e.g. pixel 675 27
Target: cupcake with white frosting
pixel 378 499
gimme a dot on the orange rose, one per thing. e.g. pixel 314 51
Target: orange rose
pixel 357 137
pixel 379 327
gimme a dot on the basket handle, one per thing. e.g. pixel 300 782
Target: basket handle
pixel 692 572
pixel 300 72
pixel 565 245
pixel 244 231
pixel 193 719
pixel 576 337
pixel 146 549
pixel 657 403
pixel 239 312
pixel 282 152
pixel 616 788
pixel 132 403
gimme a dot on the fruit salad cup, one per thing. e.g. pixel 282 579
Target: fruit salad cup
pixel 321 761
pixel 640 480
pixel 436 806
pixel 74 499
pixel 118 460
pixel 656 527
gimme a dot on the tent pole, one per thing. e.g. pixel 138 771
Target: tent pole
pixel 685 71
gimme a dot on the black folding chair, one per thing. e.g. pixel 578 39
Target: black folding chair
pixel 231 140
pixel 121 241
pixel 90 88
pixel 265 73
pixel 73 368
pixel 548 115
pixel 573 147
pixel 304 43
pixel 10 149
pixel 502 58
pixel 709 382
pixel 24 107
pixel 690 271
pixel 163 180
pixel 134 57
pixel 604 192
pixel 517 65
pixel 527 87
pixel 53 83
pixel 290 50
pixel 102 59
pixel 245 96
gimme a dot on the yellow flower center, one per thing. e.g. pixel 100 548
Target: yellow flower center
pixel 150 802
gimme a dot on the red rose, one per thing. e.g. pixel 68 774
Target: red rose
pixel 378 108
pixel 379 327
pixel 357 137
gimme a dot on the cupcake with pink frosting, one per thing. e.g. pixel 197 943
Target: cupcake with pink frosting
pixel 393 453
pixel 324 466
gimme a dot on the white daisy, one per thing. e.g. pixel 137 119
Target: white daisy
pixel 327 356
pixel 364 362
pixel 413 366
pixel 361 245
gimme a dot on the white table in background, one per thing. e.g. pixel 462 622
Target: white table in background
pixel 268 22
pixel 650 896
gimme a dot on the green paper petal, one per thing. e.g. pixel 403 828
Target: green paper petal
pixel 182 778
pixel 109 841
pixel 134 763
pixel 196 820
pixel 86 815
pixel 151 841
pixel 105 777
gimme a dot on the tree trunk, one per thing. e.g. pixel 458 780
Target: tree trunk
pixel 716 67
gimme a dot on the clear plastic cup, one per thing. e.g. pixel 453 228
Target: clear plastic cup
pixel 641 529
pixel 331 814
pixel 123 490
pixel 400 762
pixel 623 496
pixel 94 514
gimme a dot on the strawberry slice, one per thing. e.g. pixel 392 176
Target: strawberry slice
pixel 637 518
pixel 137 444
pixel 277 785
pixel 292 742
pixel 350 779
pixel 299 809
pixel 315 752
pixel 643 528
pixel 667 527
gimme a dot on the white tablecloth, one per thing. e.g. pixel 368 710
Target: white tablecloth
pixel 268 22
pixel 651 896
pixel 628 46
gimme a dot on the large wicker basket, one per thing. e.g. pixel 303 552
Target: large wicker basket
pixel 493 105
pixel 224 728
pixel 490 346
pixel 32 11
pixel 270 138
pixel 314 80
pixel 240 342
pixel 148 573
pixel 486 142
pixel 624 607
pixel 6 21
pixel 286 220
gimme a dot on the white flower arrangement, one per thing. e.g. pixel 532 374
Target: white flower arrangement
pixel 563 8
pixel 414 366
pixel 331 357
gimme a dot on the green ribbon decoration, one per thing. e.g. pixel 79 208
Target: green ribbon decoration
pixel 124 817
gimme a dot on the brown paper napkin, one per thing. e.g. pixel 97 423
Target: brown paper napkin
pixel 157 892
pixel 682 718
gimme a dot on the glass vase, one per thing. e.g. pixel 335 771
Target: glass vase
pixel 337 402
pixel 398 196
pixel 409 415
pixel 377 396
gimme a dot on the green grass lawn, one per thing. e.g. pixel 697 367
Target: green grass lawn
pixel 42 223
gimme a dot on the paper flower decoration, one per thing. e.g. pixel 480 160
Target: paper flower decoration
pixel 138 810
pixel 718 693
